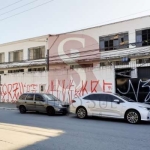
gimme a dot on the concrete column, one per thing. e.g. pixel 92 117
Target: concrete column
pixel 132 38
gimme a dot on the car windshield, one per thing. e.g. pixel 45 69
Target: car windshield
pixel 125 98
pixel 51 97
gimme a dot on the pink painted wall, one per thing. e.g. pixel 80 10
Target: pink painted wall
pixel 77 48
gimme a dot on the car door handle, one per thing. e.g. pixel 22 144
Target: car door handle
pixel 87 102
pixel 34 102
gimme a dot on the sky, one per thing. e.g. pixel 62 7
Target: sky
pixel 60 16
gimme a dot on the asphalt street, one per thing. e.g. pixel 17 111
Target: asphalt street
pixel 32 131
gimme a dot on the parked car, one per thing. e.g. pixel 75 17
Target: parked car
pixel 41 102
pixel 147 103
pixel 110 105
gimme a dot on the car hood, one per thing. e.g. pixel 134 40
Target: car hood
pixel 64 103
pixel 59 102
pixel 141 104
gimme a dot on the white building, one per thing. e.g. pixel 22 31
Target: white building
pixel 118 53
pixel 88 60
pixel 22 67
pixel 23 55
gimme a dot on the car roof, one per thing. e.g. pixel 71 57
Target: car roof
pixel 98 93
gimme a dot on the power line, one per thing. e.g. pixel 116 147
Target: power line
pixel 18 7
pixel 29 61
pixel 87 55
pixel 75 52
pixel 10 5
pixel 91 50
pixel 112 20
pixel 26 10
pixel 97 42
pixel 101 23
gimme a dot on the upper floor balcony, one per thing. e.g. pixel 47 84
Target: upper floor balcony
pixel 127 52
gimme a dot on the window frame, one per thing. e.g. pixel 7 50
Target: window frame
pixel 30 94
pixel 89 96
pixel 94 94
pixel 140 30
pixel 13 52
pixel 36 69
pixel 104 94
pixel 22 95
pixel 34 49
pixel 40 96
pixel 81 66
pixel 124 34
pixel 16 71
pixel 2 56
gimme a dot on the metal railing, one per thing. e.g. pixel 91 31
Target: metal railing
pixel 130 52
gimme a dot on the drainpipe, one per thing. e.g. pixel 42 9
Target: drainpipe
pixel 114 74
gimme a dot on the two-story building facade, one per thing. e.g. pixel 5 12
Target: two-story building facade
pixel 22 67
pixel 110 58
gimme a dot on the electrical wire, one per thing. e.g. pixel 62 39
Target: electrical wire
pixel 86 56
pixel 70 57
pixel 94 68
pixel 27 10
pixel 98 43
pixel 55 56
pixel 27 60
pixel 99 23
pixel 10 5
pixel 46 3
pixel 18 8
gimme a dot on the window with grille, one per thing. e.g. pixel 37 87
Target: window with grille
pixel 81 66
pixel 1 57
pixel 143 37
pixel 1 72
pixel 143 61
pixel 16 71
pixel 36 69
pixel 113 42
pixel 36 53
pixel 106 63
pixel 121 63
pixel 16 56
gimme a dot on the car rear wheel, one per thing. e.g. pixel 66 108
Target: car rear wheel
pixel 22 109
pixel 65 113
pixel 50 111
pixel 81 113
pixel 133 116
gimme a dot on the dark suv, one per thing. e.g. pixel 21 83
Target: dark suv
pixel 41 102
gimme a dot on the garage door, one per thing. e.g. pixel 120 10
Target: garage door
pixel 144 72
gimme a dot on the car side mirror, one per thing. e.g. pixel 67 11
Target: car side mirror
pixel 117 101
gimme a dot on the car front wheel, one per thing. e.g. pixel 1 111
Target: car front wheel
pixel 22 109
pixel 50 111
pixel 133 117
pixel 81 113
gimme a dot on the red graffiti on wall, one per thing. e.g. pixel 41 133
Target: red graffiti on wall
pixel 11 92
pixel 107 87
pixel 67 90
pixel 62 89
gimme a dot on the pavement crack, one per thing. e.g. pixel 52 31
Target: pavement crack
pixel 5 141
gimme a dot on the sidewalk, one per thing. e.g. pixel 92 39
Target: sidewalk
pixel 8 106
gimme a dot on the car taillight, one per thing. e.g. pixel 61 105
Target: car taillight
pixel 73 101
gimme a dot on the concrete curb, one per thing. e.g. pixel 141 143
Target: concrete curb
pixel 6 108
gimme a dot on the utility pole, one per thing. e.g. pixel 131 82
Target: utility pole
pixel 47 56
pixel 47 60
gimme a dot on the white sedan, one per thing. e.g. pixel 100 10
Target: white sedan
pixel 110 105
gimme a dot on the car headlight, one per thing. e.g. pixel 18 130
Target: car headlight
pixel 145 108
pixel 60 105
